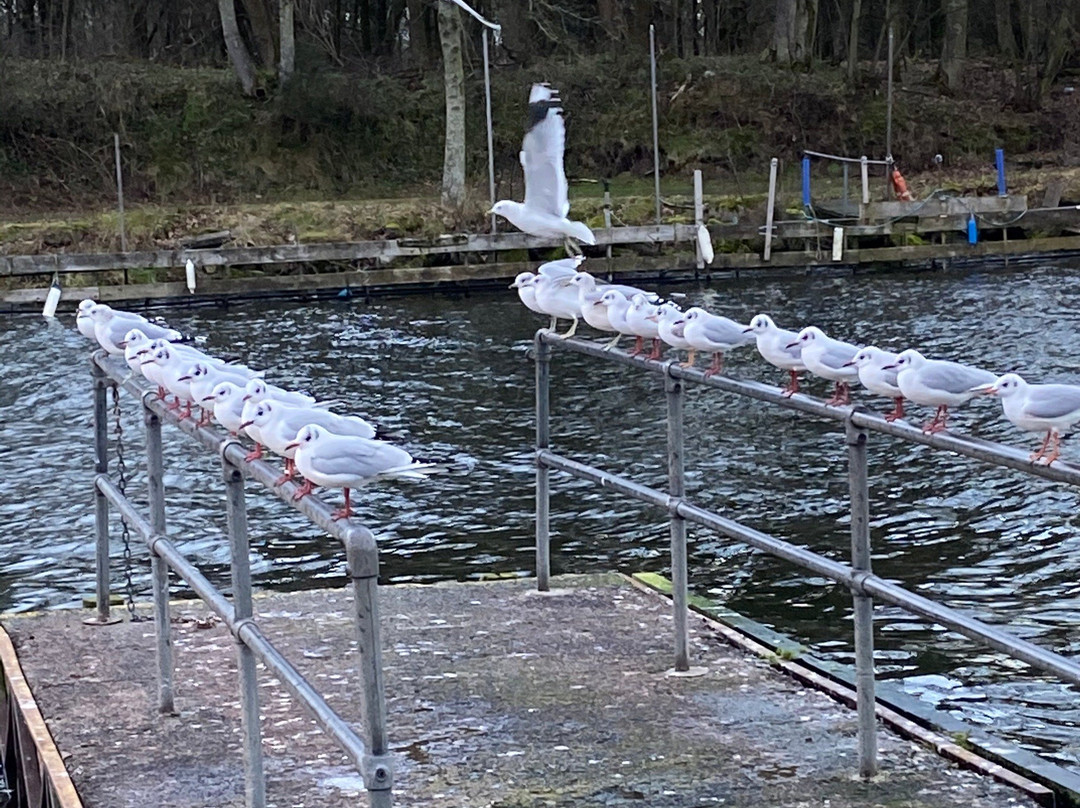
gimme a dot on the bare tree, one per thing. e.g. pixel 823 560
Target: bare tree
pixel 287 63
pixel 954 45
pixel 793 34
pixel 853 38
pixel 450 35
pixel 234 44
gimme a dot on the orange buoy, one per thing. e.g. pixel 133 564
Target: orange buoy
pixel 900 186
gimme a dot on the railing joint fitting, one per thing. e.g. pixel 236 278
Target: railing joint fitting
pixel 239 625
pixel 858 582
pixel 377 772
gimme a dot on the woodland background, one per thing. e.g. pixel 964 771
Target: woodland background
pixel 220 101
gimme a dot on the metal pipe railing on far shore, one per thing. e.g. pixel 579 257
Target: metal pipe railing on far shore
pixel 857 577
pixel 370 752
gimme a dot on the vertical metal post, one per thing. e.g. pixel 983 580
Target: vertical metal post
pixel 806 182
pixel 655 122
pixel 699 215
pixel 240 567
pixel 101 504
pixel 543 437
pixel 159 569
pixel 863 605
pixel 999 160
pixel 677 488
pixel 362 559
pixel 607 223
pixel 490 131
pixel 888 100
pixel 120 192
pixel 771 210
pixel 846 181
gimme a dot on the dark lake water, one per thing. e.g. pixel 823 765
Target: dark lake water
pixel 450 374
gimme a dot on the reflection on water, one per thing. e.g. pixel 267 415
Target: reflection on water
pixel 450 374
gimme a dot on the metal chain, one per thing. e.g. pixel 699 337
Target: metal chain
pixel 125 533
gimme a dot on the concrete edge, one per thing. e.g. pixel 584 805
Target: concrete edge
pixel 49 760
pixel 1046 790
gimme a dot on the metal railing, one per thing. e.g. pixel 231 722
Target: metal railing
pixel 858 576
pixel 368 753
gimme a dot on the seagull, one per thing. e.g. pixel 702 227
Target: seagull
pixel 110 326
pixel 344 461
pixel 871 363
pixel 641 320
pixel 171 375
pixel 226 402
pixel 1037 407
pixel 83 321
pixel 617 308
pixel 667 323
pixel 525 282
pixel 544 211
pixel 711 332
pixel 586 283
pixel 278 424
pixel 937 382
pixel 558 301
pixel 256 390
pixel 203 378
pixel 775 345
pixel 830 359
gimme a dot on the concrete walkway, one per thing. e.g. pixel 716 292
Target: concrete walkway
pixel 498 696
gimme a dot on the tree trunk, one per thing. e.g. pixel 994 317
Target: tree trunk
pixel 234 44
pixel 1006 40
pixel 287 63
pixel 417 36
pixel 954 46
pixel 453 182
pixel 262 29
pixel 793 34
pixel 853 38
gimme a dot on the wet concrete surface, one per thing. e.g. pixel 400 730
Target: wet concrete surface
pixel 498 697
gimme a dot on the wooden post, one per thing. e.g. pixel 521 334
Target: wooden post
pixel 769 210
pixel 120 195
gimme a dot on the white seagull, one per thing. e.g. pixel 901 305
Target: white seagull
pixel 775 346
pixel 558 301
pixel 342 461
pixel 711 332
pixel 937 382
pixel 544 211
pixel 226 403
pixel 641 320
pixel 830 359
pixel 877 372
pixel 1052 408
pixel 669 323
pixel 83 321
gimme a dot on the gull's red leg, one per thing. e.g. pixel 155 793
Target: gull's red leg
pixel 655 349
pixel 303 490
pixel 1042 449
pixel 1055 451
pixel 346 512
pixel 255 454
pixel 938 424
pixel 639 346
pixel 717 365
pixel 898 412
pixel 793 385
pixel 290 472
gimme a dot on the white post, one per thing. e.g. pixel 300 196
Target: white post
pixel 865 169
pixel 699 216
pixel 490 133
pixel 837 243
pixel 769 210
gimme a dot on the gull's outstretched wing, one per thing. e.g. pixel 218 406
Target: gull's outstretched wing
pixel 542 153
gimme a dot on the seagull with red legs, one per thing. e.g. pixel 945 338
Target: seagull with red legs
pixel 778 347
pixel 711 332
pixel 1049 408
pixel 878 375
pixel 641 320
pixel 350 462
pixel 938 383
pixel 830 359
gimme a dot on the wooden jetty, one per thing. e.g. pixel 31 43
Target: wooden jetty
pixel 931 232
pixel 497 694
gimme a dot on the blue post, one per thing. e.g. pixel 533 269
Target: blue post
pixel 1000 155
pixel 806 182
pixel 973 230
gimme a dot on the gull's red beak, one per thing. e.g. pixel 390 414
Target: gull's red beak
pixel 246 424
pixel 291 446
pixel 207 398
pixel 184 379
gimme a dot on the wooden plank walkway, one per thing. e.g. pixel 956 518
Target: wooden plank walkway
pixel 498 696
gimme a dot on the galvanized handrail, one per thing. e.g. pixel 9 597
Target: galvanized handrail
pixel 369 753
pixel 858 577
